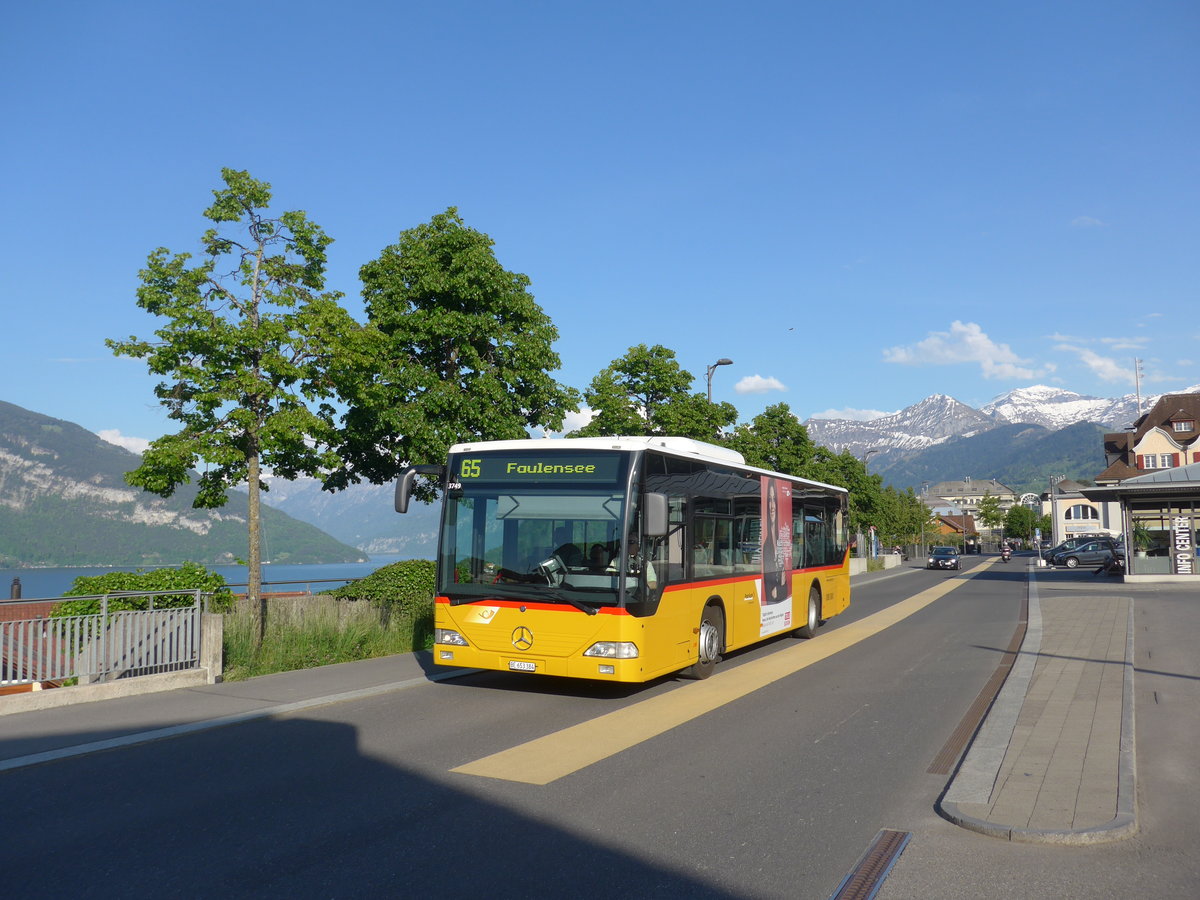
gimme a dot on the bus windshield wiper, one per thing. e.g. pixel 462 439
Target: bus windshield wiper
pixel 539 593
pixel 578 604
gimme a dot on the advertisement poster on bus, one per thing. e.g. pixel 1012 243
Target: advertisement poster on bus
pixel 776 604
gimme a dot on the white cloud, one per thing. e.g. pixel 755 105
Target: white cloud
pixel 571 422
pixel 855 415
pixel 1086 222
pixel 758 384
pixel 1103 367
pixel 579 418
pixel 1124 343
pixel 965 342
pixel 113 436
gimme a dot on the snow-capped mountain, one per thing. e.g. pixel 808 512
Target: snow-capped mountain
pixel 936 419
pixel 1055 408
pixel 924 424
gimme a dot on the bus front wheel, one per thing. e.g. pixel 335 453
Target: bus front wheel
pixel 712 642
pixel 813 619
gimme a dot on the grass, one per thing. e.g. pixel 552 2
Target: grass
pixel 290 646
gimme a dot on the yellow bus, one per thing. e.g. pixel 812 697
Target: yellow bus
pixel 626 558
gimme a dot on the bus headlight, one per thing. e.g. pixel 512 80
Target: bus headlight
pixel 448 636
pixel 613 650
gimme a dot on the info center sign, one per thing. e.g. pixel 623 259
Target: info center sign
pixel 1183 548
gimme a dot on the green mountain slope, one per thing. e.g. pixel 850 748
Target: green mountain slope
pixel 1020 456
pixel 64 501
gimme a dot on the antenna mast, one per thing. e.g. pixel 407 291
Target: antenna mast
pixel 1137 381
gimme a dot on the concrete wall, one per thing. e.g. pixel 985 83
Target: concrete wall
pixel 859 565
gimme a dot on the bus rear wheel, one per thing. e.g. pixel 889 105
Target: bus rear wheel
pixel 813 618
pixel 712 642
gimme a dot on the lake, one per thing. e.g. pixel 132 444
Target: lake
pixel 47 583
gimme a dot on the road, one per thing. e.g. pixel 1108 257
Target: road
pixel 768 780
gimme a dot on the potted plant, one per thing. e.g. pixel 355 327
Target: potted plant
pixel 1142 539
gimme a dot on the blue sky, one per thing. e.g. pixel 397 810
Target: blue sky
pixel 861 204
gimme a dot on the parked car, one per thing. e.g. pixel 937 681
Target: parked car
pixel 1090 553
pixel 1071 543
pixel 942 558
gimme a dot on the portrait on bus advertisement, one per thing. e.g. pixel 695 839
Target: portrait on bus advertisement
pixel 776 603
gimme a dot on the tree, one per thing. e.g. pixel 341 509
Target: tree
pixel 646 392
pixel 867 504
pixel 245 353
pixel 990 513
pixel 905 518
pixel 775 440
pixel 455 349
pixel 1020 522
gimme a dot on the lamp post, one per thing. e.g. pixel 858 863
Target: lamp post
pixel 720 362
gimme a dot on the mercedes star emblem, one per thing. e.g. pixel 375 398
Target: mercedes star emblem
pixel 522 638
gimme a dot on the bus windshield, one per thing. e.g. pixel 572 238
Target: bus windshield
pixel 524 525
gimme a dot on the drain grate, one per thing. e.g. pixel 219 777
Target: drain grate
pixel 866 878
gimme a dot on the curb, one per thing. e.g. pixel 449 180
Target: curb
pixel 1123 825
pixel 54 698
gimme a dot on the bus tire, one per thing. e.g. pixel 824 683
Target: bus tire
pixel 711 643
pixel 813 615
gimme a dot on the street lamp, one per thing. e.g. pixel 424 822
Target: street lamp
pixel 720 362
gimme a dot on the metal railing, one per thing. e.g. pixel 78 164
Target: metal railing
pixel 101 646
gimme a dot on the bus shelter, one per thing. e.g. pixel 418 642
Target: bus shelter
pixel 1160 515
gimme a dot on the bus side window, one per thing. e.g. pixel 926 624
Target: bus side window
pixel 798 536
pixel 814 536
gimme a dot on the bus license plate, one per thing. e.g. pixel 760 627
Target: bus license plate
pixel 521 665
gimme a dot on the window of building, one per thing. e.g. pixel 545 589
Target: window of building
pixel 1082 511
pixel 1184 425
pixel 1166 460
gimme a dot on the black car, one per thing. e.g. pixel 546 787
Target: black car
pixel 942 558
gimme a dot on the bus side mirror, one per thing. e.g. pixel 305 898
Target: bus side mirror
pixel 404 485
pixel 654 515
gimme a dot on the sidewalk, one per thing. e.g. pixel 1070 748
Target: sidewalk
pixel 1054 759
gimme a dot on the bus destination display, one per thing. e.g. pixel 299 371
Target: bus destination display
pixel 537 467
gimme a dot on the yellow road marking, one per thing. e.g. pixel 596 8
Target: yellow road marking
pixel 549 758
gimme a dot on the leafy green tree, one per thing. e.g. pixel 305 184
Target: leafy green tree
pixel 1021 521
pixel 905 518
pixel 847 470
pixel 989 512
pixel 646 392
pixel 189 577
pixel 245 354
pixel 775 440
pixel 1046 525
pixel 455 349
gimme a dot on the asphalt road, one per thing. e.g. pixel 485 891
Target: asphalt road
pixel 775 793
